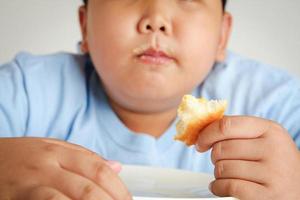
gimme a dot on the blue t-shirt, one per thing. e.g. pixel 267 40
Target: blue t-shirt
pixel 60 96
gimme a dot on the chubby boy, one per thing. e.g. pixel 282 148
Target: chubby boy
pixel 118 103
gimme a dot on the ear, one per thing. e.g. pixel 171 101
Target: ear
pixel 82 14
pixel 225 35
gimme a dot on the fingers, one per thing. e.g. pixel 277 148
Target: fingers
pixel 91 166
pixel 241 169
pixel 237 149
pixel 46 193
pixel 72 171
pixel 234 127
pixel 64 144
pixel 240 189
pixel 53 143
pixel 77 187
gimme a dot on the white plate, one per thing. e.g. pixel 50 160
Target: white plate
pixel 150 183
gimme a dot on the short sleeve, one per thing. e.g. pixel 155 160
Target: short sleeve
pixel 13 101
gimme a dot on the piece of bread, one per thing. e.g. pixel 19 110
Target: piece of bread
pixel 194 115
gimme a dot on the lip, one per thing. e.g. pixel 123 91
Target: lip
pixel 155 57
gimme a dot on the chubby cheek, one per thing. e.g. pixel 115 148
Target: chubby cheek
pixel 109 43
pixel 111 47
pixel 198 52
pixel 197 66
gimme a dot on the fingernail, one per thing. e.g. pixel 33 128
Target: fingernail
pixel 116 166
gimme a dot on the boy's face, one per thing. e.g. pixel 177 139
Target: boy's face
pixel 149 53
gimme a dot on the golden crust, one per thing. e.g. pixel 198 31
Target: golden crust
pixel 193 128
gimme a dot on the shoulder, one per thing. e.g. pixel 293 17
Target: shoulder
pixel 49 87
pixel 39 67
pixel 259 79
pixel 53 63
pixel 257 89
pixel 250 68
pixel 37 72
pixel 239 69
pixel 250 86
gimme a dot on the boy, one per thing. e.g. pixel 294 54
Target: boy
pixel 120 101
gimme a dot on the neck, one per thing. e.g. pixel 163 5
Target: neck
pixel 154 124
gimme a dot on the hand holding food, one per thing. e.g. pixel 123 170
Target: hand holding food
pixel 195 114
pixel 244 151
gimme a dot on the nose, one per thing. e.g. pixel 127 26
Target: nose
pixel 155 19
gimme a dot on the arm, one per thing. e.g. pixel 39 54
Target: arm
pixel 36 168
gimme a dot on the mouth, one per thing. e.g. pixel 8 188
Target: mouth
pixel 158 55
pixel 155 57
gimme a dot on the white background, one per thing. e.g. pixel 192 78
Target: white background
pixel 267 30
